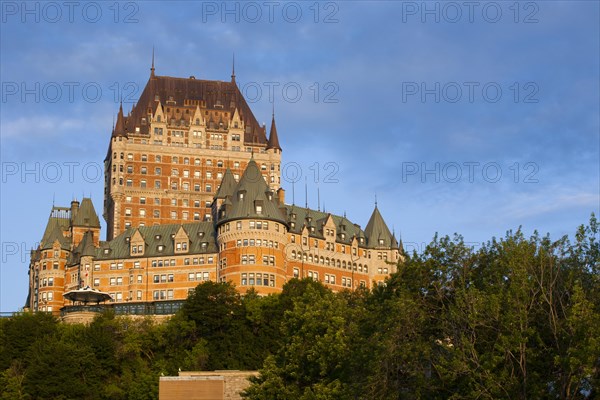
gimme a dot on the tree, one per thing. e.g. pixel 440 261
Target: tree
pixel 314 361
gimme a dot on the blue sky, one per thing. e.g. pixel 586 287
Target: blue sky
pixel 471 119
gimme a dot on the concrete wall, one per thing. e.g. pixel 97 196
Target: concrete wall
pixel 216 385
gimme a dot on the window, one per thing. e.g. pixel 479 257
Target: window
pixel 96 281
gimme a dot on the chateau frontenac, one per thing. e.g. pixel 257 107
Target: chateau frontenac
pixel 193 193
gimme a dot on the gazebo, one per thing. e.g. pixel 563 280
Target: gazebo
pixel 87 295
pixel 86 304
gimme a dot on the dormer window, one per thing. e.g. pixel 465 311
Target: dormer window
pixel 362 240
pixel 381 242
pixel 241 195
pixel 258 207
pixel 160 247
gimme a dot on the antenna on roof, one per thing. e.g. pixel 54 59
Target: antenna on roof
pixel 152 68
pixel 305 193
pixel 293 192
pixel 233 68
pixel 318 198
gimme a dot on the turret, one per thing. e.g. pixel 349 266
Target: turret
pixel 251 233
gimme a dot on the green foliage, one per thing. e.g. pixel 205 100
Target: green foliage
pixel 518 318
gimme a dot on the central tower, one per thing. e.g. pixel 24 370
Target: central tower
pixel 168 155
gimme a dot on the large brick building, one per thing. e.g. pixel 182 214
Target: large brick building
pixel 192 193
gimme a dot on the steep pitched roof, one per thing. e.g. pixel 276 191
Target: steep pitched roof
pixel 54 232
pixel 228 185
pixel 119 129
pixel 346 230
pixel 251 195
pixel 161 235
pixel 273 138
pixel 86 215
pixel 188 92
pixel 377 230
pixel 84 248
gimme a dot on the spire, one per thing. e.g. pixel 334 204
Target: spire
pixel 120 126
pixel 233 69
pixel 273 142
pixel 86 215
pixel 152 69
pixel 377 232
pixel 227 186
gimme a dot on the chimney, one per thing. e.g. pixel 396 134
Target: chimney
pixel 74 209
pixel 281 196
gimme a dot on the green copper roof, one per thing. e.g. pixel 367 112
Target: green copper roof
pixel 252 198
pixel 228 185
pixel 298 217
pixel 201 240
pixel 377 231
pixel 54 231
pixel 86 215
pixel 84 248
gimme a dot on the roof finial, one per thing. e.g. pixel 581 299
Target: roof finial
pixel 152 68
pixel 233 68
pixel 375 200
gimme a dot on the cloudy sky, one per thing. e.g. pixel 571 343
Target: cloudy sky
pixel 468 117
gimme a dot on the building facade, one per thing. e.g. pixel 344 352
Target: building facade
pixel 192 194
